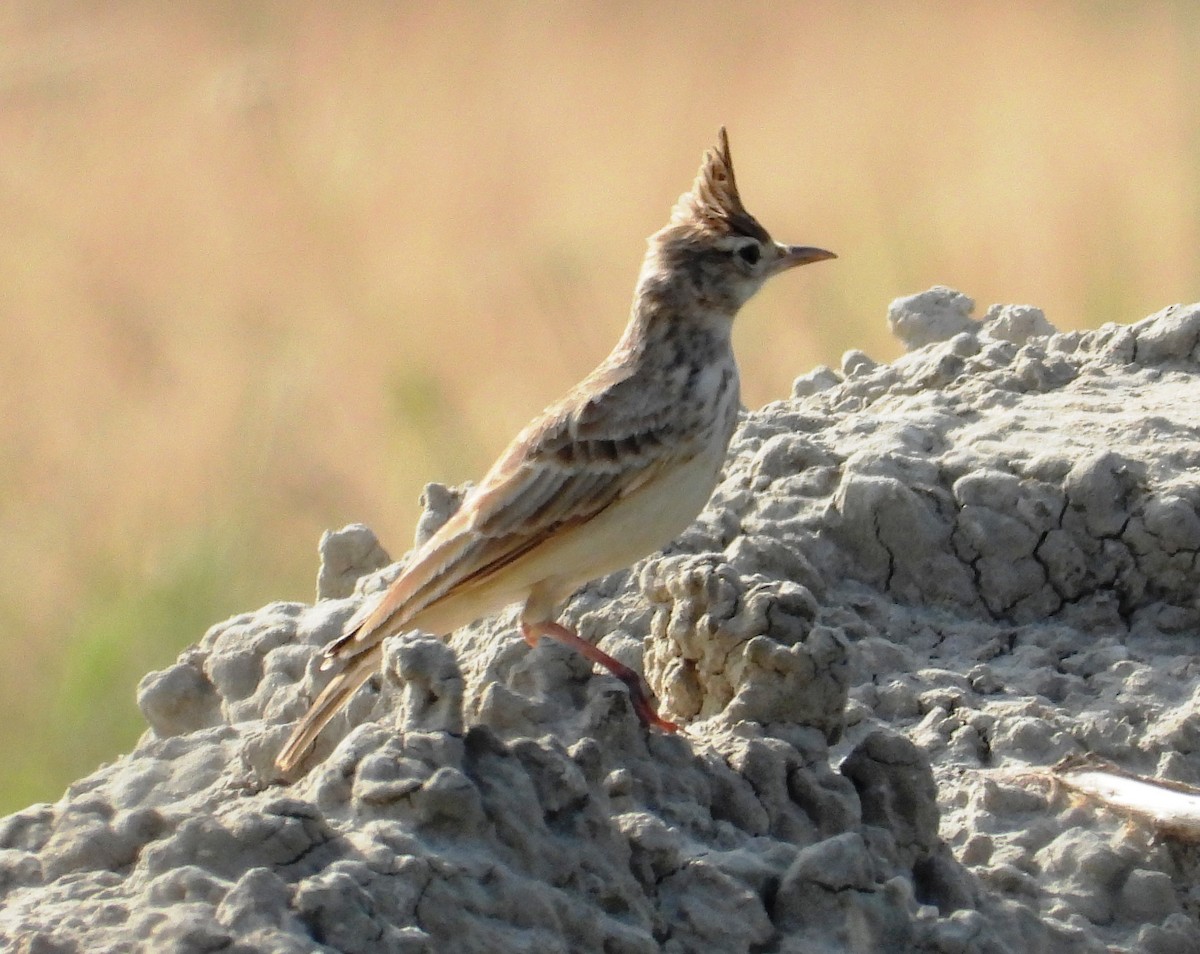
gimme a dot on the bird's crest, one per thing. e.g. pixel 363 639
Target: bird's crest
pixel 713 204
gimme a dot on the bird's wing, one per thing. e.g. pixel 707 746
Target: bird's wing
pixel 597 445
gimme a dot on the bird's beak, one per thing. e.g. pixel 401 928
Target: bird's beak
pixel 792 255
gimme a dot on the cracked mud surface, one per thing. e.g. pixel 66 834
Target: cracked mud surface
pixel 916 582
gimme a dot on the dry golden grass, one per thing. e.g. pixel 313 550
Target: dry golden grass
pixel 266 268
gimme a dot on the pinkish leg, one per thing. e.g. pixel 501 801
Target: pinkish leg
pixel 639 694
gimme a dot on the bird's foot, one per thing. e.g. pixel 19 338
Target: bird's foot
pixel 639 693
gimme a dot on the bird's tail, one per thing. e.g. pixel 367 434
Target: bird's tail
pixel 335 695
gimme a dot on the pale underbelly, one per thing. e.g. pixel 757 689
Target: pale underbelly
pixel 619 536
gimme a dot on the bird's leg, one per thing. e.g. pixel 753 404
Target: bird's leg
pixel 639 694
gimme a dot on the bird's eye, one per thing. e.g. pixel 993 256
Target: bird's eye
pixel 750 253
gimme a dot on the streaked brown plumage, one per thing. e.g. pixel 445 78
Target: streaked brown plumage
pixel 606 475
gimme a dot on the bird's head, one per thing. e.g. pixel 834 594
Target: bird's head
pixel 713 246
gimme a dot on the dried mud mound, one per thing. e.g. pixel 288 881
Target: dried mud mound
pixel 918 586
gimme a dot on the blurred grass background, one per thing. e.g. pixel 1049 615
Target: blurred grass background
pixel 266 268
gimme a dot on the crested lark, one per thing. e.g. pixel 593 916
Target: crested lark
pixel 610 473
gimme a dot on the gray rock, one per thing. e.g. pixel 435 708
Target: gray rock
pixel 347 555
pixel 1016 323
pixel 918 584
pixel 935 315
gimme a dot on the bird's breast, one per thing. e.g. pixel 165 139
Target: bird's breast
pixel 715 397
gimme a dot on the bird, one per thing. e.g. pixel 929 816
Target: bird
pixel 610 473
